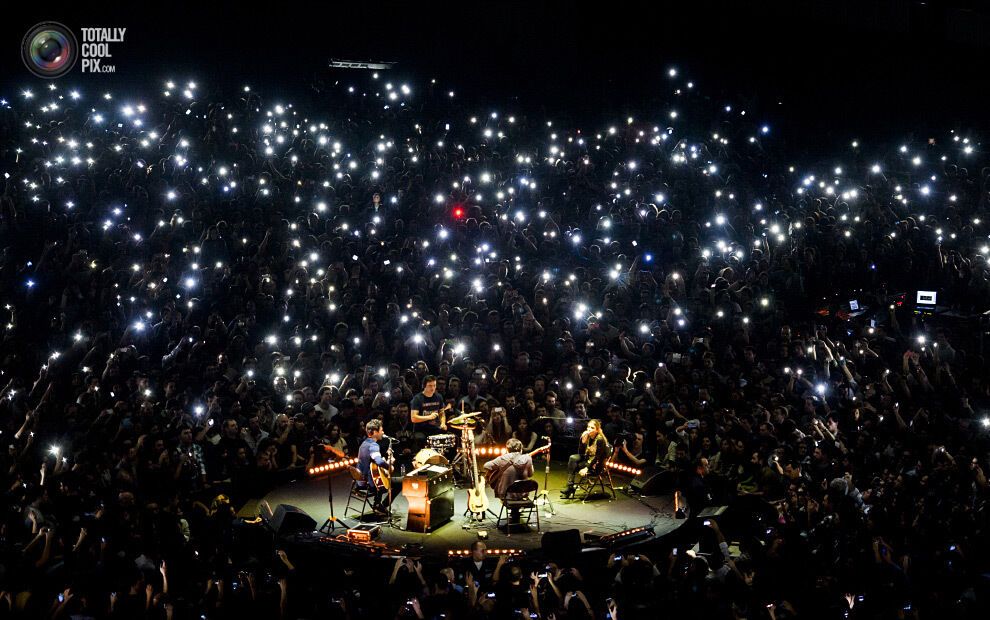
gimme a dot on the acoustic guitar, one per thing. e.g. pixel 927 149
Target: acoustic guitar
pixel 477 498
pixel 381 476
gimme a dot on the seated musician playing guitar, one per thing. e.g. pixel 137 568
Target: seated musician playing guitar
pixel 503 470
pixel 375 469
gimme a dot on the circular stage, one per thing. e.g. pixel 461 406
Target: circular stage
pixel 599 516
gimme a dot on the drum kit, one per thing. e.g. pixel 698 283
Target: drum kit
pixel 443 449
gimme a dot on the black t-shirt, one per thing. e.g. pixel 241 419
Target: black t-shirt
pixel 427 405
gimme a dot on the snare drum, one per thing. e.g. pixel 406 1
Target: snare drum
pixel 428 456
pixel 441 443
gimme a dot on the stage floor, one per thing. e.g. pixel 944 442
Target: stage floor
pixel 599 516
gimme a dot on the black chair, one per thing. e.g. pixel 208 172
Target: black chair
pixel 359 493
pixel 523 494
pixel 599 477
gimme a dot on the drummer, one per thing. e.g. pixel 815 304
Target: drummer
pixel 427 411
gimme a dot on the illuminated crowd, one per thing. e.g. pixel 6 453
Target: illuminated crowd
pixel 204 293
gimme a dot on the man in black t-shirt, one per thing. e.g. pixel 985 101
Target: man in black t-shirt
pixel 427 409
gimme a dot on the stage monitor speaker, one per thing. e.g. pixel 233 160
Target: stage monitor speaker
pixel 288 519
pixel 561 544
pixel 653 481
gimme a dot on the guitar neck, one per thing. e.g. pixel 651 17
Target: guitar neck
pixel 540 450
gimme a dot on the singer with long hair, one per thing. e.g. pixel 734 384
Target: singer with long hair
pixel 593 451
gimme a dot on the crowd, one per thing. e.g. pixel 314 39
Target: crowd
pixel 205 293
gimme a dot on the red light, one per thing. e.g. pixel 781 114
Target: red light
pixel 458 212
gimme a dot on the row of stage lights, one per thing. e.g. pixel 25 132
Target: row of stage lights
pixel 332 467
pixel 482 451
pixel 632 471
pixel 460 553
pixel 491 450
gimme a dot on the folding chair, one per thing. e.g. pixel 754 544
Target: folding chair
pixel 525 492
pixel 359 492
pixel 600 477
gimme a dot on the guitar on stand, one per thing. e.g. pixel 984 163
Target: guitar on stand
pixel 477 503
pixel 465 422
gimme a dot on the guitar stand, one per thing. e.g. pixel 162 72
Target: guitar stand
pixel 478 520
pixel 474 515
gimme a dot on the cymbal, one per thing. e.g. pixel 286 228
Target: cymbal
pixel 463 417
pixel 468 425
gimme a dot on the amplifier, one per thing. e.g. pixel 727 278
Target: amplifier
pixel 430 493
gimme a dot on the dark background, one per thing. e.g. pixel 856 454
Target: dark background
pixel 826 70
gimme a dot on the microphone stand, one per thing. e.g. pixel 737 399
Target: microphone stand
pixel 543 497
pixel 333 522
pixel 330 524
pixel 391 458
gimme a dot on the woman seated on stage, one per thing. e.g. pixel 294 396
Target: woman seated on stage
pixel 593 451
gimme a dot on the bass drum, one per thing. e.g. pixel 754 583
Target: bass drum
pixel 428 456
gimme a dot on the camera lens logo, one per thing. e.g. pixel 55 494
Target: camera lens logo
pixel 49 50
